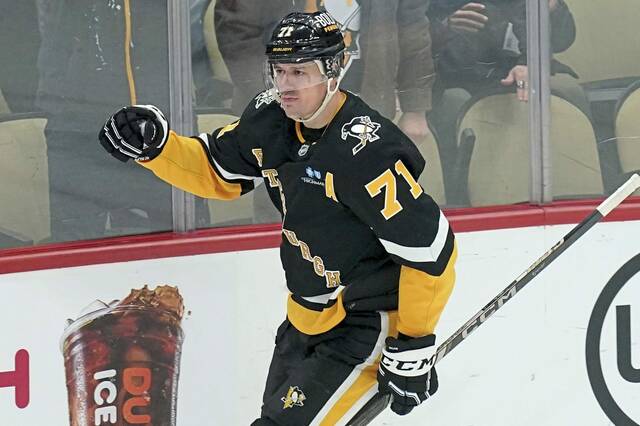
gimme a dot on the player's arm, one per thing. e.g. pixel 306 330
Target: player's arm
pixel 385 194
pixel 210 166
pixel 412 229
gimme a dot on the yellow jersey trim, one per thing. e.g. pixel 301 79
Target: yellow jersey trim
pixel 298 124
pixel 184 164
pixel 422 298
pixel 313 322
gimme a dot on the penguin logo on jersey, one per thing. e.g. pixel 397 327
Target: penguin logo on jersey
pixel 363 129
pixel 264 98
pixel 294 397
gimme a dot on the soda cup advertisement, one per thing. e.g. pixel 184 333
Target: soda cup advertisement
pixel 122 360
pixel 181 341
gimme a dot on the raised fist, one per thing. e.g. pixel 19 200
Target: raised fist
pixel 137 131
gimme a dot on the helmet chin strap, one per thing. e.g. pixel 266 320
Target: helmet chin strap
pixel 327 97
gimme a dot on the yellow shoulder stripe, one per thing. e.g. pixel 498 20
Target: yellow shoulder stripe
pixel 228 128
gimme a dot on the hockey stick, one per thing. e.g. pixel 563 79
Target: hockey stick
pixel 380 401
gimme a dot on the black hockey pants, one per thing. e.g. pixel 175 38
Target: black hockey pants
pixel 325 379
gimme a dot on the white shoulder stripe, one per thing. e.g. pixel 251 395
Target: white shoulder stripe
pixel 205 139
pixel 325 298
pixel 225 174
pixel 421 254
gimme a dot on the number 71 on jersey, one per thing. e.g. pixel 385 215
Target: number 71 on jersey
pixel 387 180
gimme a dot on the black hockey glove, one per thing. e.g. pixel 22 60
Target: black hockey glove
pixel 406 373
pixel 138 132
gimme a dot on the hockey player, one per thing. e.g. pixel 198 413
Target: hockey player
pixel 368 255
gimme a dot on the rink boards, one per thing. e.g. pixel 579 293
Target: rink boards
pixel 527 365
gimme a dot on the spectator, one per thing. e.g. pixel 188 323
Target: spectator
pixel 478 46
pixel 83 77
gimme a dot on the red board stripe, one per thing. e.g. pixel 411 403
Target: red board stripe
pixel 240 238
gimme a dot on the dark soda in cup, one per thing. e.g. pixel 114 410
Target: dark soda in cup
pixel 122 360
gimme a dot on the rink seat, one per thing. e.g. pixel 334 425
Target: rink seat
pixel 627 128
pixel 4 108
pixel 607 40
pixel 494 165
pixel 24 183
pixel 218 66
pixel 431 178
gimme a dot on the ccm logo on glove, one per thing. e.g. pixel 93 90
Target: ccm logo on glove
pixel 409 363
pixel 407 372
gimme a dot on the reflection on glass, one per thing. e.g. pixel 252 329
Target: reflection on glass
pixel 95 57
pixel 604 57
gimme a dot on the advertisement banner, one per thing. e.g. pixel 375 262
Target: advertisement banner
pixel 92 345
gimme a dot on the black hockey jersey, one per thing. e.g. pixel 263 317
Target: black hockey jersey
pixel 359 233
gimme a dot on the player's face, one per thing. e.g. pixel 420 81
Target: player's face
pixel 302 88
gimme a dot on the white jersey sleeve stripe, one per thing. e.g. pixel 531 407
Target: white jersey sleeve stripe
pixel 224 173
pixel 421 254
pixel 325 298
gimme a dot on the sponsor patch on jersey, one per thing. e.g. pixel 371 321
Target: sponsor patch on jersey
pixel 313 177
pixel 264 98
pixel 294 397
pixel 361 128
